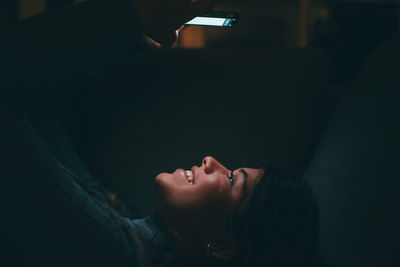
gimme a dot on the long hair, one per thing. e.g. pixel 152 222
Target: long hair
pixel 280 225
pixel 279 228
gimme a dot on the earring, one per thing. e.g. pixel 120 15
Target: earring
pixel 210 248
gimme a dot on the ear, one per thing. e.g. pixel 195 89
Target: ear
pixel 225 249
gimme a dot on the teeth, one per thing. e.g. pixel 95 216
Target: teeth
pixel 189 177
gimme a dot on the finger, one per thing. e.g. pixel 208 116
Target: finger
pixel 166 39
pixel 181 29
pixel 148 42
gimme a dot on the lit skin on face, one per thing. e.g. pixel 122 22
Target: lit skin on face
pixel 204 207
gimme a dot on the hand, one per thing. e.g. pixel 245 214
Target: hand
pixel 159 17
pixel 165 40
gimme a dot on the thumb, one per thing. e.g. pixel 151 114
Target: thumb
pixel 167 38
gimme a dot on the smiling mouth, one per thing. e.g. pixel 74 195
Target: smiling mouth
pixel 189 177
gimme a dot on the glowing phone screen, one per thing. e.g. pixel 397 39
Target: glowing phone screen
pixel 209 21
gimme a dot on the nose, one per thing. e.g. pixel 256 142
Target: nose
pixel 210 165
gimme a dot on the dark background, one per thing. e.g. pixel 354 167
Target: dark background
pixel 348 30
pixel 260 91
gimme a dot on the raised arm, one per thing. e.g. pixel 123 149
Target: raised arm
pixel 32 48
pixel 39 48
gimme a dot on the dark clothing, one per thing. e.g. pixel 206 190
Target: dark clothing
pixel 57 54
pixel 154 231
pixel 63 216
pixel 53 215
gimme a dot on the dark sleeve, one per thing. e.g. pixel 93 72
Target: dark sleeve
pixel 47 217
pixel 32 50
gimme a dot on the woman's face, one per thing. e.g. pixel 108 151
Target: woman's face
pixel 204 198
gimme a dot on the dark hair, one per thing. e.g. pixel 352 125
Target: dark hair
pixel 278 229
pixel 280 225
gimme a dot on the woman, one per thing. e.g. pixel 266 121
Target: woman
pixel 209 215
pixel 212 215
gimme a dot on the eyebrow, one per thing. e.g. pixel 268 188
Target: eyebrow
pixel 245 176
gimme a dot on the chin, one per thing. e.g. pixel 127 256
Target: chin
pixel 161 181
pixel 162 177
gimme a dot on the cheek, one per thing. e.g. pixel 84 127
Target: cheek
pixel 213 195
pixel 216 186
pixel 192 207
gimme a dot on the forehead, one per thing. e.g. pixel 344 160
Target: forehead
pixel 253 177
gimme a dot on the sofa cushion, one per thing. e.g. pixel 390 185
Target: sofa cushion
pixel 354 170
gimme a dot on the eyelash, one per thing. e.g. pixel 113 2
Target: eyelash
pixel 230 177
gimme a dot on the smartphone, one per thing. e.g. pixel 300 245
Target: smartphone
pixel 216 19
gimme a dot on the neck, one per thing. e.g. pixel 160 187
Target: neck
pixel 165 242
